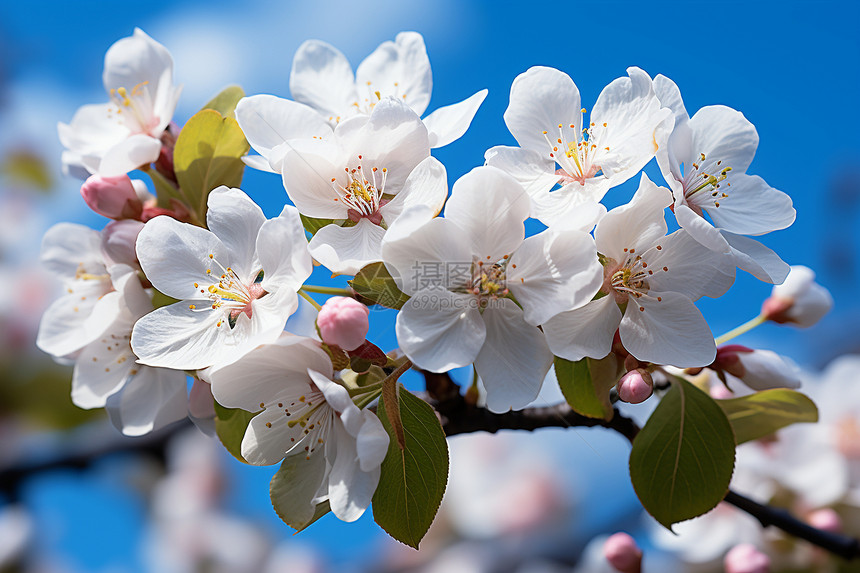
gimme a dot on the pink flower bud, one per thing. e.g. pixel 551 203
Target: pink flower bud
pixel 343 322
pixel 113 197
pixel 745 558
pixel 799 300
pixel 118 241
pixel 635 387
pixel 622 553
pixel 825 519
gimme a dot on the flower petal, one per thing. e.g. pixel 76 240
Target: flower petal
pixel 533 171
pixel 349 489
pixel 78 318
pixel 128 155
pixel 440 330
pixel 102 368
pixel 322 78
pixel 543 99
pixel 294 488
pixel 371 443
pixel 553 272
pixel 268 121
pixel 236 219
pixel 756 259
pixel 69 248
pixel 669 331
pixel 698 227
pixel 345 250
pixel 586 331
pixel 693 269
pixel 134 60
pixel 635 225
pixel 307 178
pixel 514 359
pixel 448 124
pixel 752 207
pixel 400 68
pixel 725 135
pixel 427 184
pixel 491 207
pixel 283 252
pixel 150 399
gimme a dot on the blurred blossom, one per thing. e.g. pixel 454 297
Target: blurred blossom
pixel 745 558
pixel 623 553
pixel 16 531
pixel 799 300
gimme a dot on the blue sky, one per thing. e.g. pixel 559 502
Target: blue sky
pixel 790 67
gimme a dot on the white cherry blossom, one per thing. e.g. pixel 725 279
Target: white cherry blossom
pixel 545 116
pixel 138 398
pixel 654 279
pixel 73 253
pixel 363 177
pixel 322 78
pixel 237 282
pixel 114 138
pixel 331 449
pixel 705 164
pixel 460 271
pixel 798 300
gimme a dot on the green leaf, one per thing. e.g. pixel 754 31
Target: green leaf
pixel 763 413
pixel 586 383
pixel 160 299
pixel 230 425
pixel 374 283
pixel 312 225
pixel 27 169
pixel 208 154
pixel 413 479
pixel 225 102
pixel 682 460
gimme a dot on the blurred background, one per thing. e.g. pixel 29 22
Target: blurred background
pixel 515 502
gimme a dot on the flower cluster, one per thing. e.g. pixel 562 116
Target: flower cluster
pixel 196 281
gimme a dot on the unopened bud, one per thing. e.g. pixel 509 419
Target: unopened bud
pixel 342 322
pixel 825 519
pixel 758 369
pixel 799 300
pixel 113 197
pixel 745 558
pixel 635 386
pixel 118 242
pixel 622 553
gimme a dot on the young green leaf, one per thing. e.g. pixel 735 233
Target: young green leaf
pixel 313 225
pixel 586 383
pixel 375 284
pixel 682 460
pixel 207 155
pixel 225 102
pixel 230 426
pixel 413 479
pixel 763 413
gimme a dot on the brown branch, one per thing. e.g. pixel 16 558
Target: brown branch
pixel 460 417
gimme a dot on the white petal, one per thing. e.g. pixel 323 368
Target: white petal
pixel 491 207
pixel 533 171
pixel 174 256
pixel 150 400
pixel 307 177
pixel 134 60
pixel 345 250
pixel 555 207
pixel 93 130
pixel 258 162
pixel 670 331
pixel 69 247
pixel 752 207
pixel 129 154
pixel 283 251
pixel 586 331
pixel 236 219
pixel 693 269
pixel 541 100
pixel 371 443
pixel 699 228
pixel 267 439
pixel 71 323
pixel 294 488
pixel 631 112
pixel 427 184
pixel 338 399
pixel 399 68
pixel 756 259
pixel 350 489
pixel 553 272
pixel 449 123
pixel 440 330
pixel 101 369
pixel 178 337
pixel 420 252
pixel 514 359
pixel 724 134
pixel 636 224
pixel 321 77
pixel 268 121
pixel 678 149
pixel 268 371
